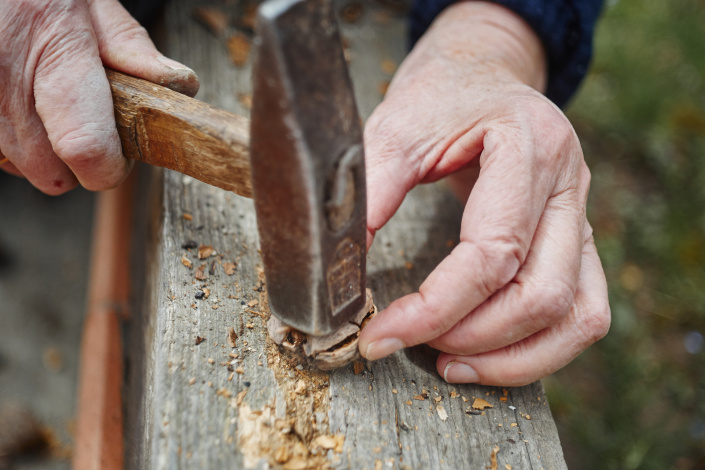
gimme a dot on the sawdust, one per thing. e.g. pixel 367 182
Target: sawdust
pixel 297 437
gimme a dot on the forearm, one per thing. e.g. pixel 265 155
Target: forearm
pixel 488 42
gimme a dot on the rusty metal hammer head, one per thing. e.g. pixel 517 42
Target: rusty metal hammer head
pixel 308 169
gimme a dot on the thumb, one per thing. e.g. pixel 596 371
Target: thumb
pixel 125 46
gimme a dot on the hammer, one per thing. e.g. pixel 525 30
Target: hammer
pixel 300 157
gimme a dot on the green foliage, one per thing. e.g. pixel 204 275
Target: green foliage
pixel 636 400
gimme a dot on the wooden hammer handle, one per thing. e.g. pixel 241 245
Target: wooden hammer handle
pixel 170 130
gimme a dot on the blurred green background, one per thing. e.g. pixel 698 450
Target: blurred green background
pixel 636 400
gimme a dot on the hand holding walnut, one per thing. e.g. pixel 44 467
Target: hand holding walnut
pixel 524 292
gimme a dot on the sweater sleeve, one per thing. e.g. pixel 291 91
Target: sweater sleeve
pixel 564 26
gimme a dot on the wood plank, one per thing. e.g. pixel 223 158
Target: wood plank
pixel 190 412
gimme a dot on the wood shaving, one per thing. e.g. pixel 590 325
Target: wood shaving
pixel 300 387
pixel 329 442
pixel 229 268
pixel 441 412
pixel 232 336
pixel 239 47
pixel 186 262
pixel 240 370
pixel 493 458
pixel 419 397
pixel 200 274
pixel 252 303
pixel 205 251
pixel 206 292
pixel 281 455
pixel 480 404
pixel 211 360
pixel 358 367
pixel 240 397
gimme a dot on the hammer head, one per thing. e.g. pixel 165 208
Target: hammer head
pixel 308 169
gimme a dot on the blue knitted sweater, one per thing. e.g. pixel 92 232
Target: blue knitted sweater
pixel 564 26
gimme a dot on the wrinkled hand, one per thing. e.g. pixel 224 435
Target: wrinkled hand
pixel 523 293
pixel 57 124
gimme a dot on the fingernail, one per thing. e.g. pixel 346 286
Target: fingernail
pixel 458 372
pixel 173 65
pixel 383 347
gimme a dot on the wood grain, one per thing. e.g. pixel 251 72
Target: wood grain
pixel 170 130
pixel 204 404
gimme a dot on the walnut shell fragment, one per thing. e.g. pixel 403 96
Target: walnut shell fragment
pixel 328 352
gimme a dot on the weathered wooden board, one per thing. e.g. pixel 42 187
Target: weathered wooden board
pixel 205 404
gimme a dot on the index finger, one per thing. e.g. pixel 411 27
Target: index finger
pixel 498 226
pixel 73 99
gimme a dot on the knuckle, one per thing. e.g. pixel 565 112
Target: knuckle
pixel 552 131
pixel 551 302
pixel 500 260
pixel 597 325
pixel 93 157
